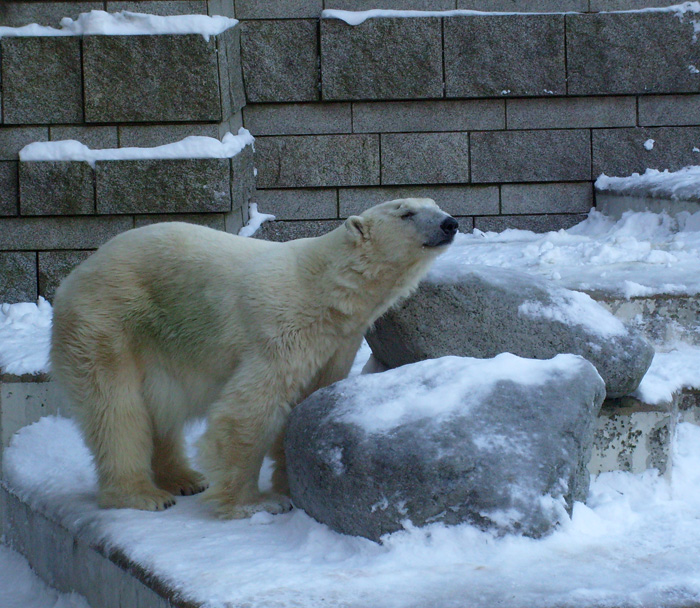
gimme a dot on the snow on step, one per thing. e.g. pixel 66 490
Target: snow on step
pixel 194 146
pixel 126 23
pixel 285 560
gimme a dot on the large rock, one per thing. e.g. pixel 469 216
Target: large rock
pixel 479 311
pixel 500 443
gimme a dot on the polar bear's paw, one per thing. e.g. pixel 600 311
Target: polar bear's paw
pixel 185 482
pixel 146 499
pixel 268 502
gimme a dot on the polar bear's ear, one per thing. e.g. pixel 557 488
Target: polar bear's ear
pixel 355 225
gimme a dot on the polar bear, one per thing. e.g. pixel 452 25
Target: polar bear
pixel 173 320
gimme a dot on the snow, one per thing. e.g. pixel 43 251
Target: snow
pixel 437 388
pixel 194 146
pixel 359 17
pixel 21 588
pixel 256 219
pixel 126 23
pixel 649 144
pixel 25 336
pixel 682 185
pixel 576 308
pixel 635 543
pixel 669 373
pixel 641 254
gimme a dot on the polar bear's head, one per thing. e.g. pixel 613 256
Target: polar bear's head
pixel 403 227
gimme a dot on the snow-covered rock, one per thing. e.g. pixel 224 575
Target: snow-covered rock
pixel 479 311
pixel 501 443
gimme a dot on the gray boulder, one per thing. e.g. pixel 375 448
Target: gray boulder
pixel 481 311
pixel 500 443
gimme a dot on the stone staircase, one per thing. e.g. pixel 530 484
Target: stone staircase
pixel 91 205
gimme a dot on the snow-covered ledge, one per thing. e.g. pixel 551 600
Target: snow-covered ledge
pixel 653 190
pixel 126 23
pixel 359 17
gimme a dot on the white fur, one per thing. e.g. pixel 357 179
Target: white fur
pixel 173 320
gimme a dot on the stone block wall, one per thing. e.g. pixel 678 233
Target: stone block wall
pixel 505 119
pixel 111 92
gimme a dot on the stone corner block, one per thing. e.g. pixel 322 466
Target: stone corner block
pixel 56 188
pixel 389 58
pixel 151 78
pixel 163 186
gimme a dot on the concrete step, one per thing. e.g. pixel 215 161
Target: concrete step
pixel 663 319
pixel 69 555
pixel 68 562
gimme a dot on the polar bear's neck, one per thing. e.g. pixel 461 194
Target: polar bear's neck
pixel 351 287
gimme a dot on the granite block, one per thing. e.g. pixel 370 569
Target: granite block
pixel 534 223
pixel 231 86
pixel 547 198
pixel 531 156
pixel 17 14
pixel 17 276
pixel 280 60
pixel 150 136
pixel 298 118
pixel 167 78
pixel 56 188
pixel 317 160
pixel 621 152
pixel 210 220
pixel 41 80
pixel 425 158
pixel 288 231
pixel 389 58
pixel 455 200
pixel 627 5
pixel 225 8
pixel 571 112
pixel 278 9
pixel 518 55
pixel 302 204
pixel 54 266
pixel 525 6
pixel 415 116
pixel 412 5
pixel 629 53
pixel 159 7
pixel 242 178
pixel 92 136
pixel 9 188
pixel 45 233
pixel 234 220
pixel 163 186
pixel 669 110
pixel 13 139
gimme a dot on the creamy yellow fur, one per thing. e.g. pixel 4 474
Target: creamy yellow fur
pixel 174 320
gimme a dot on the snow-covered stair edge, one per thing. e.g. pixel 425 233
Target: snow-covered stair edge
pixel 615 204
pixel 68 562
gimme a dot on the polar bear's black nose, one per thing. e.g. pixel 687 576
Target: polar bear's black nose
pixel 449 226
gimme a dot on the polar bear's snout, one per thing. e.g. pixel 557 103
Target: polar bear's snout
pixel 437 227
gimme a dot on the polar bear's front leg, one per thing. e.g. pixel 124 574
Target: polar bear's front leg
pixel 242 427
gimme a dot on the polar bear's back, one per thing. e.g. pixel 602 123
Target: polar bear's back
pixel 174 286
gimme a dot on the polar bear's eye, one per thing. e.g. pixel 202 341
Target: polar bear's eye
pixel 407 214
